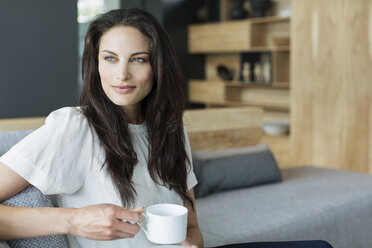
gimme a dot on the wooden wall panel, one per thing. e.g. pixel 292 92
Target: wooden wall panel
pixel 331 83
pixel 279 146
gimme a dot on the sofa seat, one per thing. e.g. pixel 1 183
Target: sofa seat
pixel 310 203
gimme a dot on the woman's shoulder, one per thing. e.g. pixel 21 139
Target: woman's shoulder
pixel 68 117
pixel 67 113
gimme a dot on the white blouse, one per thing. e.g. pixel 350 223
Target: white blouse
pixel 64 157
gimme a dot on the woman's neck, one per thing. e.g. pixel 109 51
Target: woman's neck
pixel 134 115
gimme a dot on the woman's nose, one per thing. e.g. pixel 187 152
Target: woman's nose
pixel 124 74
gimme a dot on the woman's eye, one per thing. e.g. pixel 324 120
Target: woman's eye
pixel 138 60
pixel 109 59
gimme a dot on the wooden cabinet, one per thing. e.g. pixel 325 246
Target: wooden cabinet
pixel 231 43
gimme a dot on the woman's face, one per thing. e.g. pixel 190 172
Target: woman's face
pixel 124 67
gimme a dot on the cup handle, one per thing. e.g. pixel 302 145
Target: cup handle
pixel 141 224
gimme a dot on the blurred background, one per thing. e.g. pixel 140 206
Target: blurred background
pixel 306 63
pixel 42 42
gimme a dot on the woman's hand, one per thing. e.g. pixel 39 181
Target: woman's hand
pixel 104 222
pixel 187 243
pixel 194 237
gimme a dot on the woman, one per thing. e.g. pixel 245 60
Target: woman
pixel 125 147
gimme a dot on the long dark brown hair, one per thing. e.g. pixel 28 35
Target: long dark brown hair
pixel 162 108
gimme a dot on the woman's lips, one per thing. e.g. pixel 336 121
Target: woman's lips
pixel 123 89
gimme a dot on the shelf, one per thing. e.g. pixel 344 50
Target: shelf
pixel 261 20
pixel 258 103
pixel 279 67
pixel 281 85
pixel 236 94
pixel 268 49
pixel 269 19
pixel 246 35
pixel 219 37
pixel 247 50
pixel 276 116
pixel 255 20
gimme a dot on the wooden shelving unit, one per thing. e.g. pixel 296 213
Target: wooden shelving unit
pixel 224 43
pixel 229 43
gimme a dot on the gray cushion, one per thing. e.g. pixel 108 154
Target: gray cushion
pixel 3 244
pixel 32 197
pixel 10 138
pixel 228 169
pixel 29 197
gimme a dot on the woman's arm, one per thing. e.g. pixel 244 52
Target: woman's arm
pixel 194 237
pixel 18 222
pixel 10 183
pixel 100 222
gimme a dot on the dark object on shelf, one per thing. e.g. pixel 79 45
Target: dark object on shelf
pixel 198 11
pixel 238 11
pixel 224 72
pixel 259 7
pixel 213 10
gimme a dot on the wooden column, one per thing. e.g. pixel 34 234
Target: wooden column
pixel 331 83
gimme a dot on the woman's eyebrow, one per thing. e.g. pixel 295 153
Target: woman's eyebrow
pixel 133 54
pixel 138 53
pixel 107 51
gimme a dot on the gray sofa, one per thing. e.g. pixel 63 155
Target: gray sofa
pixel 300 203
pixel 310 203
pixel 306 203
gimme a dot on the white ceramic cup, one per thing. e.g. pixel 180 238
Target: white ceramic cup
pixel 165 223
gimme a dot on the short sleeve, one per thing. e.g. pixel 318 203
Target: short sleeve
pixel 191 179
pixel 56 157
